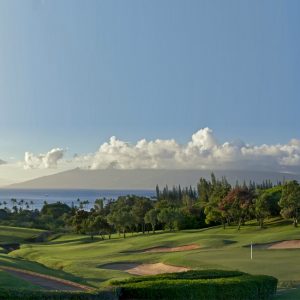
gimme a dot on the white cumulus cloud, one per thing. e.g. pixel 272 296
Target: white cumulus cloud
pixel 47 160
pixel 203 151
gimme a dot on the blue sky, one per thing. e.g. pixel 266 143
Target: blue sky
pixel 74 73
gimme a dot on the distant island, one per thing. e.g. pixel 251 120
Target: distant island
pixel 142 178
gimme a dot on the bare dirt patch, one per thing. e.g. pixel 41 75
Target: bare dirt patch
pixel 45 281
pixel 292 244
pixel 172 249
pixel 143 269
pixel 153 269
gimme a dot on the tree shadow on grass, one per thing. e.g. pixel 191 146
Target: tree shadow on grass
pixel 119 266
pixel 83 240
pixel 39 268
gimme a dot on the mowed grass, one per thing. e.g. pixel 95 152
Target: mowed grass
pixel 9 234
pixel 80 257
pixel 8 260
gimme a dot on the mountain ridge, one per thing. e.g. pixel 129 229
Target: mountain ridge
pixel 142 178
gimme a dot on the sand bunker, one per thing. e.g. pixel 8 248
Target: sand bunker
pixel 153 269
pixel 172 249
pixel 293 244
pixel 144 269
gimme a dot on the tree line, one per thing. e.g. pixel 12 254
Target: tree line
pixel 212 202
pixel 227 205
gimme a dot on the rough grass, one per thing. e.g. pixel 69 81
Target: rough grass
pixel 78 257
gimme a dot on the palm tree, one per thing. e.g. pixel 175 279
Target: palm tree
pixel 15 209
pixel 13 201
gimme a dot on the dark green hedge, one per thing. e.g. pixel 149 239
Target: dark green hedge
pixel 10 294
pixel 193 274
pixel 209 285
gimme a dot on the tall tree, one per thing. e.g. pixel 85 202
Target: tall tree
pixel 78 221
pixel 214 210
pixel 290 201
pixel 204 191
pixel 151 218
pixel 121 219
pixel 262 207
pixel 157 192
pixel 239 204
pixel 168 216
pixel 139 210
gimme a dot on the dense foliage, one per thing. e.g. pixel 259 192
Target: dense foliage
pixel 206 284
pixel 290 201
pixel 214 202
pixel 192 274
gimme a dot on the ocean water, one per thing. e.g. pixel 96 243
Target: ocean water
pixel 68 196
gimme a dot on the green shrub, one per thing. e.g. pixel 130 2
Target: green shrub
pixel 209 284
pixel 193 274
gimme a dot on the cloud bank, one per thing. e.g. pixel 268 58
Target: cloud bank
pixel 47 161
pixel 203 151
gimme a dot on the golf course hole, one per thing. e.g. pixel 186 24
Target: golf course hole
pixel 144 269
pixel 292 244
pixel 172 249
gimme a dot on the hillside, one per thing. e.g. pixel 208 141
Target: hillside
pixel 141 179
pixel 97 262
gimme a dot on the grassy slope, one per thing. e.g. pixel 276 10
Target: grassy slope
pixel 75 256
pixel 79 256
pixel 10 234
